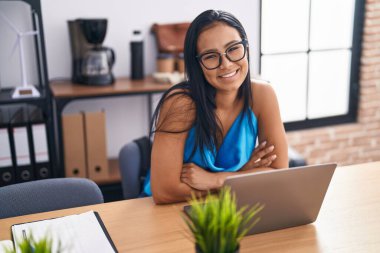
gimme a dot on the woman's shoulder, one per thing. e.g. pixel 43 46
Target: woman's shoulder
pixel 258 85
pixel 177 110
pixel 263 94
pixel 178 96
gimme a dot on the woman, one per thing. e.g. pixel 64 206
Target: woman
pixel 206 128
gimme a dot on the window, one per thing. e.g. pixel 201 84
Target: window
pixel 310 52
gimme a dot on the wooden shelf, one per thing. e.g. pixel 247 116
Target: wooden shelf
pixel 113 175
pixel 122 86
pixel 65 92
pixel 6 97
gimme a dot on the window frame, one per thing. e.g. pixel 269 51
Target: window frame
pixel 351 115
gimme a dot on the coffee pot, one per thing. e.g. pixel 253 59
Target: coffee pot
pixel 98 62
pixel 92 62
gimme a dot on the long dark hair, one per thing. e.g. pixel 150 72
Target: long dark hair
pixel 208 130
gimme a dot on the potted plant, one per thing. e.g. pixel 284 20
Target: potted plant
pixel 217 224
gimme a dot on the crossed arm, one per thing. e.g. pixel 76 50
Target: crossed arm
pixel 201 179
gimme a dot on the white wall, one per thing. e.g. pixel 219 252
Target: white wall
pixel 127 116
pixel 123 17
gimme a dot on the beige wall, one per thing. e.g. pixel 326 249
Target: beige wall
pixel 358 142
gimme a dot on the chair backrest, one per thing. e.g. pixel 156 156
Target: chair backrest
pixel 134 163
pixel 47 195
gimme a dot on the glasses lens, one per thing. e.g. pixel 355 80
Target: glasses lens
pixel 236 52
pixel 210 60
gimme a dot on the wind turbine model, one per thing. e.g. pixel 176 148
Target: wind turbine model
pixel 25 90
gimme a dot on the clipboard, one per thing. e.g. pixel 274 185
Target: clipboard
pixel 22 230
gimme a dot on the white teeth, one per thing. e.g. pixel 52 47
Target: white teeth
pixel 230 74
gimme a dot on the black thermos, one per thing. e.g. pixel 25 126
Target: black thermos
pixel 137 56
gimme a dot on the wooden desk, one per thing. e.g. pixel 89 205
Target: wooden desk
pixel 65 92
pixel 348 221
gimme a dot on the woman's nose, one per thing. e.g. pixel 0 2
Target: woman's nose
pixel 225 61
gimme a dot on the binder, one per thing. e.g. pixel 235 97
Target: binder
pixel 7 175
pixel 20 145
pixel 39 143
pixel 96 146
pixel 74 146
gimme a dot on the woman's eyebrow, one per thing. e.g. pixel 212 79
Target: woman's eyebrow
pixel 230 43
pixel 216 50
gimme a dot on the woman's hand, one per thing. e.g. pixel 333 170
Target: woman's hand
pixel 198 178
pixel 260 158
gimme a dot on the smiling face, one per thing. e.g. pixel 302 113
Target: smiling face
pixel 229 76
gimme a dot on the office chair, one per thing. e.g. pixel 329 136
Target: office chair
pixel 295 158
pixel 134 163
pixel 47 195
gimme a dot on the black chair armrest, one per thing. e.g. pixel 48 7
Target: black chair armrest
pixel 295 158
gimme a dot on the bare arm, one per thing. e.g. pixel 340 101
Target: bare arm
pixel 167 160
pixel 270 124
pixel 199 178
pixel 177 114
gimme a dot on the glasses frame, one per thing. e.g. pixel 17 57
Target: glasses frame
pixel 244 42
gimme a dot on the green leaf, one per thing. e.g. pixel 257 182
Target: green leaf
pixel 217 224
pixel 29 245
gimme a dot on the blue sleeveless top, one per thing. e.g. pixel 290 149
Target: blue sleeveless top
pixel 235 151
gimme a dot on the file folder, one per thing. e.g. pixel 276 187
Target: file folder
pixel 39 147
pixel 96 145
pixel 20 145
pixel 7 175
pixel 74 145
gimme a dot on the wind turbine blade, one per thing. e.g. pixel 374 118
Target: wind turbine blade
pixel 10 24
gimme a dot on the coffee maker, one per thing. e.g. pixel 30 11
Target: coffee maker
pixel 92 63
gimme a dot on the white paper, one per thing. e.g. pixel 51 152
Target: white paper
pixel 6 244
pixel 76 233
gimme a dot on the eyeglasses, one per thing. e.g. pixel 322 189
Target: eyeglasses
pixel 234 53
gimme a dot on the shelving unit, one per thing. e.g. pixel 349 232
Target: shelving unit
pixel 65 92
pixel 44 101
pixel 56 95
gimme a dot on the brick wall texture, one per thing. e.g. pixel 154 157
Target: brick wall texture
pixel 357 142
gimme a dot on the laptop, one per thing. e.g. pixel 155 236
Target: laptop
pixel 292 197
